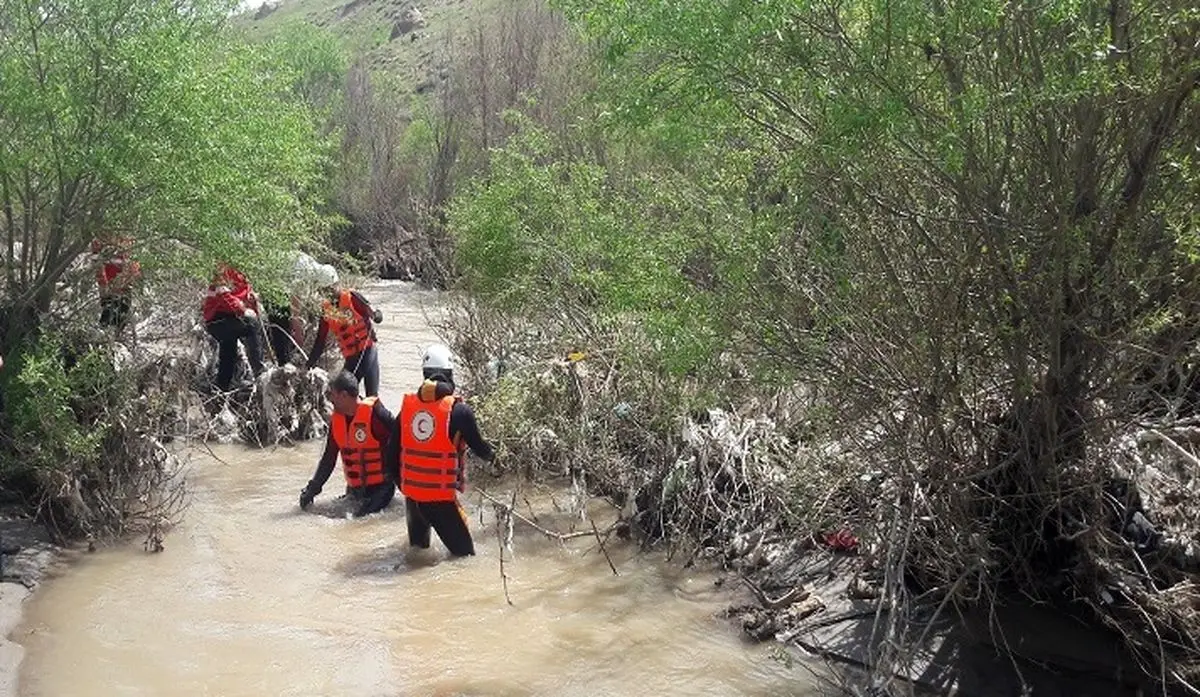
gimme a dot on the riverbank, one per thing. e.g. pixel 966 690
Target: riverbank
pixel 825 604
pixel 851 557
pixel 27 557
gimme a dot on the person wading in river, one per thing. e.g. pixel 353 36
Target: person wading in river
pixel 363 431
pixel 436 427
pixel 348 315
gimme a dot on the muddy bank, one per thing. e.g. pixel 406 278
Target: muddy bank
pixel 27 556
pixel 822 603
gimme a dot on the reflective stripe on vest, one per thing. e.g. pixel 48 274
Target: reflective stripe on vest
pixel 350 328
pixel 362 453
pixel 430 463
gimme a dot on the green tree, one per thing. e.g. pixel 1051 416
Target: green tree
pixel 982 237
pixel 144 119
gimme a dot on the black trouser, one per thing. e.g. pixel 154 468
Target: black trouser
pixel 365 366
pixel 114 310
pixel 446 517
pixel 228 330
pixel 279 330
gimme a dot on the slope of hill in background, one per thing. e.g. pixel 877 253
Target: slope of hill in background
pixel 405 38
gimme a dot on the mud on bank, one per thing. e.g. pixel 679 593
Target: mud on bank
pixel 27 557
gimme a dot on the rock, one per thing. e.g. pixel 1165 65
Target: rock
pixel 195 420
pixel 350 7
pixel 265 9
pixel 225 426
pixel 411 20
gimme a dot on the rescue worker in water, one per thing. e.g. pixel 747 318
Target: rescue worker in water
pixel 348 315
pixel 436 427
pixel 363 432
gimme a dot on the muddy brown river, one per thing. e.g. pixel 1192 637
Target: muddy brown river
pixel 254 597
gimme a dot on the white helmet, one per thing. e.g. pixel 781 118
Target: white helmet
pixel 326 276
pixel 309 275
pixel 437 357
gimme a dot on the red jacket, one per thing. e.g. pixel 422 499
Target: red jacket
pixel 228 294
pixel 117 262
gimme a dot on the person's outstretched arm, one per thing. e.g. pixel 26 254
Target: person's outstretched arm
pixel 324 469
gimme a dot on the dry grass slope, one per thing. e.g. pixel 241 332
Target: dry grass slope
pixel 404 38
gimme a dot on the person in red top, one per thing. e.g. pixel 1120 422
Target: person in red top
pixel 231 315
pixel 348 315
pixel 116 276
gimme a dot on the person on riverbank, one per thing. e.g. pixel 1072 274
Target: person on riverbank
pixel 349 316
pixel 231 314
pixel 285 321
pixel 363 432
pixel 116 277
pixel 436 428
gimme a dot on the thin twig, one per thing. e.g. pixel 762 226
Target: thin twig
pixel 791 597
pixel 561 537
pixel 503 520
pixel 602 549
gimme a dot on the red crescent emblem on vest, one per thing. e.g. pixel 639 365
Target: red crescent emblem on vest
pixel 360 434
pixel 422 425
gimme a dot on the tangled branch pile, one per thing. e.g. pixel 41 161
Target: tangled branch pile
pixel 952 510
pixel 88 419
pixel 83 447
pixel 283 405
pixel 710 479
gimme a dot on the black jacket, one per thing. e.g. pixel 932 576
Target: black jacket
pixel 462 420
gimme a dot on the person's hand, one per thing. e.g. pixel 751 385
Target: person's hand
pixel 306 497
pixel 249 313
pixel 499 456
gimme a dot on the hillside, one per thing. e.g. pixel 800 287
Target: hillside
pixel 408 39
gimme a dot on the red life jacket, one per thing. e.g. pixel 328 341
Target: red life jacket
pixel 109 276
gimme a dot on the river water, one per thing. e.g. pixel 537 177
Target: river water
pixel 254 597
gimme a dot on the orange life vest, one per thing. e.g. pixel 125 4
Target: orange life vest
pixel 351 329
pixel 430 463
pixel 362 453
